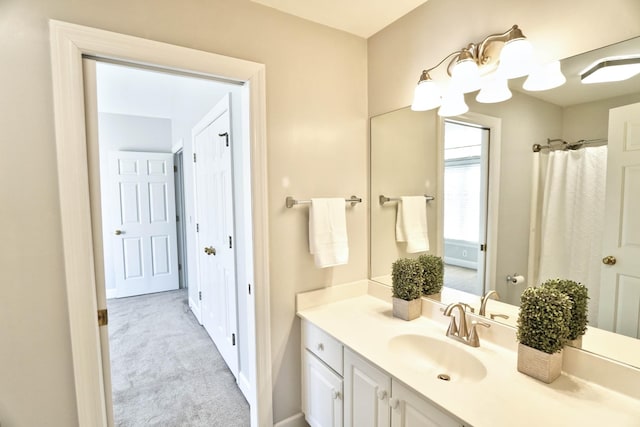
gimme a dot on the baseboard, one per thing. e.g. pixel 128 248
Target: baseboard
pixel 111 293
pixel 296 420
pixel 245 387
pixel 195 308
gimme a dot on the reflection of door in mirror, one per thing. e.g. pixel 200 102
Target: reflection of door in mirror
pixel 465 205
pixel 619 309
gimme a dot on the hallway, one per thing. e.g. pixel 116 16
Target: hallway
pixel 165 369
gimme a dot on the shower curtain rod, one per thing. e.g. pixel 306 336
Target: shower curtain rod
pixel 566 145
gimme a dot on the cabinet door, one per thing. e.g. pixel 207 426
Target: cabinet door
pixel 410 410
pixel 323 393
pixel 367 391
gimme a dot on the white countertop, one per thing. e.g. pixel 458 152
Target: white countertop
pixel 504 397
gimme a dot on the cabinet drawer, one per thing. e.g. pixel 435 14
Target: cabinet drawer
pixel 323 345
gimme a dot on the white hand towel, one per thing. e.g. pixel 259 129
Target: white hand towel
pixel 328 241
pixel 411 224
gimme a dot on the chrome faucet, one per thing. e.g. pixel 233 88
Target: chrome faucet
pixel 459 331
pixel 485 299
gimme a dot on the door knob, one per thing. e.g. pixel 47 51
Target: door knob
pixel 118 232
pixel 609 260
pixel 210 250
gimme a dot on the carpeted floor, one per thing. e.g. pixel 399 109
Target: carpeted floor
pixel 165 369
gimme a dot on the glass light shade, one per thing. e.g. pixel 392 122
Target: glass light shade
pixel 495 89
pixel 611 70
pixel 466 76
pixel 453 104
pixel 426 96
pixel 545 77
pixel 516 58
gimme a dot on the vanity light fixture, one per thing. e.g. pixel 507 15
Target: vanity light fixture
pixel 614 69
pixel 486 66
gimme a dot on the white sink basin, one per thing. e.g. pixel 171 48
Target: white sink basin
pixel 438 356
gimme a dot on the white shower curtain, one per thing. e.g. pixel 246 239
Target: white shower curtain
pixel 567 218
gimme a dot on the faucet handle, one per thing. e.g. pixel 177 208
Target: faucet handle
pixel 473 338
pixel 494 315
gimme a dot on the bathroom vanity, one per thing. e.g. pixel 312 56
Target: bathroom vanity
pixel 362 367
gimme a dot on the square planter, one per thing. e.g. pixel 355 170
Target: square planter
pixel 407 310
pixel 538 364
pixel 577 343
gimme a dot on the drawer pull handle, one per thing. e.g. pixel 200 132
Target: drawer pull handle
pixel 382 394
pixel 320 347
pixel 336 394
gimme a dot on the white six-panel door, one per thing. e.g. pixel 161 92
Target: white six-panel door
pixel 143 221
pixel 215 230
pixel 620 282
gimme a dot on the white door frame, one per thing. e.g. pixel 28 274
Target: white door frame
pixel 494 124
pixel 69 42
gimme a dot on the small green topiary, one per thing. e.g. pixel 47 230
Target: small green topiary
pixel 579 296
pixel 433 274
pixel 407 276
pixel 543 319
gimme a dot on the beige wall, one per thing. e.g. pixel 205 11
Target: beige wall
pixel 591 120
pixel 316 119
pixel 403 163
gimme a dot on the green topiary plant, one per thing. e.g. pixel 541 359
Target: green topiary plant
pixel 433 274
pixel 579 296
pixel 543 320
pixel 407 276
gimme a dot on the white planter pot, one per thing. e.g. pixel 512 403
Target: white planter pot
pixel 538 364
pixel 407 310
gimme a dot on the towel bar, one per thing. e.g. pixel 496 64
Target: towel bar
pixel 291 202
pixel 384 199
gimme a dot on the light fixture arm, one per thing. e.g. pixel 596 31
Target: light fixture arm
pixel 425 73
pixel 512 33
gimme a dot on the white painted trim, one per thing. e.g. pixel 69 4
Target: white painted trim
pixel 68 43
pixel 296 420
pixel 494 124
pixel 111 293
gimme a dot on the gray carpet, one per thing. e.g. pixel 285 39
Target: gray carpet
pixel 165 369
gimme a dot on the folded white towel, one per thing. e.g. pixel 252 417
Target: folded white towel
pixel 328 241
pixel 411 224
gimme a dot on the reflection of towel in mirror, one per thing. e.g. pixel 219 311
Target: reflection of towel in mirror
pixel 328 241
pixel 411 224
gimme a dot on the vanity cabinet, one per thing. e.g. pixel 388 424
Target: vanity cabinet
pixel 372 398
pixel 408 409
pixel 322 380
pixel 366 393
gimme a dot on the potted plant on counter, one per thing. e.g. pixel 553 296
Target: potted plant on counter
pixel 542 332
pixel 407 277
pixel 579 296
pixel 433 274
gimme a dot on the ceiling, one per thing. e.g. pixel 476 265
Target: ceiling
pixel 363 18
pixel 134 91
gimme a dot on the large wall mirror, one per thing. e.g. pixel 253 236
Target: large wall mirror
pixel 493 178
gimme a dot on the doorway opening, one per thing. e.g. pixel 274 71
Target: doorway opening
pixel 151 218
pixel 466 179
